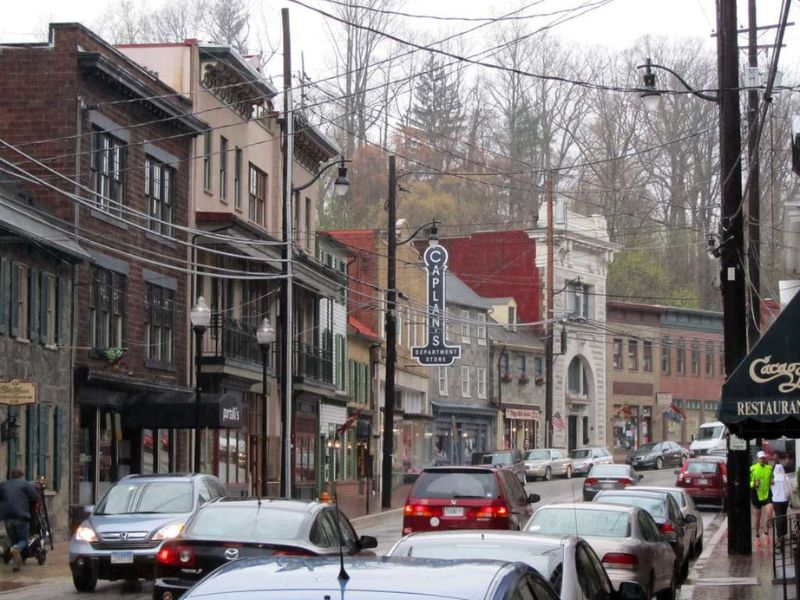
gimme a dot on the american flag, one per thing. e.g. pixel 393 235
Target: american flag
pixel 558 422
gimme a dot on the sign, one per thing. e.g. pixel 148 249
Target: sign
pixel 763 370
pixel 17 392
pixel 662 398
pixel 436 352
pixel 230 412
pixel 736 443
pixel 525 414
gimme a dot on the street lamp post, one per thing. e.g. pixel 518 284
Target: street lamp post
pixel 265 335
pixel 200 317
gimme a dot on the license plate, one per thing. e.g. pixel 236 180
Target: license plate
pixel 121 558
pixel 453 511
pixel 607 485
pixel 702 482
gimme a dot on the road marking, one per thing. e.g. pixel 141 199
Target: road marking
pixel 712 543
pixel 726 581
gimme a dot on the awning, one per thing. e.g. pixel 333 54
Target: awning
pixel 762 396
pixel 176 410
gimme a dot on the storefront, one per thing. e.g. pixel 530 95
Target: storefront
pixel 521 427
pixel 461 431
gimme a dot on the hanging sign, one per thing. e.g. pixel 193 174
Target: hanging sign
pixel 17 392
pixel 436 352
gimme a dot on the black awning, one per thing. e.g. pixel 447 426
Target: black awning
pixel 762 396
pixel 176 410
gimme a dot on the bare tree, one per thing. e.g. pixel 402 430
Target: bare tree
pixel 227 22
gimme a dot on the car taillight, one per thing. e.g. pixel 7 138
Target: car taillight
pixel 292 552
pixel 590 481
pixel 177 556
pixel 499 511
pixel 620 560
pixel 625 482
pixel 418 510
pixel 666 528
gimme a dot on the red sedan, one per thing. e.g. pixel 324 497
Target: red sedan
pixel 704 479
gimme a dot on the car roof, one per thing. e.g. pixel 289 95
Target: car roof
pixel 659 488
pixel 468 580
pixel 634 492
pixel 463 469
pixel 165 476
pixel 300 506
pixel 545 543
pixel 590 506
pixel 708 458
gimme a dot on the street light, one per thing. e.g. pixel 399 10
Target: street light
pixel 651 96
pixel 265 335
pixel 200 317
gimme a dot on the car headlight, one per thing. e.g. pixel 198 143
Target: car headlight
pixel 169 532
pixel 85 534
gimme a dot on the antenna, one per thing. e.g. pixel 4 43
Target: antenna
pixel 343 576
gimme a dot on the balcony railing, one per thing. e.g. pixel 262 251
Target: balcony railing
pixel 312 362
pixel 234 339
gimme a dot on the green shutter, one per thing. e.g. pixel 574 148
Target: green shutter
pixel 14 298
pixel 33 305
pixel 62 318
pixel 3 295
pixel 30 439
pixel 13 443
pixel 364 383
pixel 44 290
pixel 43 440
pixel 57 427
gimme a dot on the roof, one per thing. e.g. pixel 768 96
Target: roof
pixel 239 63
pixel 459 292
pixel 521 337
pixel 27 222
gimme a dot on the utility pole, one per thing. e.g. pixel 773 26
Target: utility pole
pixel 391 340
pixel 549 329
pixel 734 297
pixel 287 325
pixel 753 189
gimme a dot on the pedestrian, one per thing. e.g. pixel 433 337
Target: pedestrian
pixel 761 495
pixel 16 497
pixel 781 494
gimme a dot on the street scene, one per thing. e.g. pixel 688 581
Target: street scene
pixel 393 297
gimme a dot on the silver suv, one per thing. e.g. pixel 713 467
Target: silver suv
pixel 122 536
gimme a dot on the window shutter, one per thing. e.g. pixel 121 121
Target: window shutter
pixel 14 298
pixel 44 292
pixel 57 427
pixel 3 294
pixel 43 440
pixel 33 305
pixel 61 312
pixel 13 443
pixel 30 439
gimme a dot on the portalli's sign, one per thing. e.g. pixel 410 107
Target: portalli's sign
pixel 436 352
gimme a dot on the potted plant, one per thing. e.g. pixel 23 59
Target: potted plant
pixel 539 380
pixel 506 377
pixel 523 378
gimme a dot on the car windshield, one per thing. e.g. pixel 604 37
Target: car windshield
pixel 537 455
pixel 497 458
pixel 710 433
pixel 655 506
pixel 568 521
pixel 230 522
pixel 610 471
pixel 152 497
pixel 582 453
pixel 454 484
pixel 702 467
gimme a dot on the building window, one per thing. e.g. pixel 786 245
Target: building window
pixel 538 366
pixel 223 168
pixel 51 309
pixel 680 357
pixel 237 179
pixel 617 355
pixel 578 299
pixel 258 194
pixel 309 225
pixel 505 368
pixel 666 356
pixel 158 189
pixel 696 358
pixel 722 360
pixel 106 308
pixel 160 312
pixel 108 168
pixel 481 382
pixel 443 384
pixel 512 318
pixel 20 301
pixel 521 364
pixel 481 329
pixel 465 382
pixel 633 355
pixel 709 359
pixel 647 356
pixel 207 143
pixel 465 327
pixel 577 381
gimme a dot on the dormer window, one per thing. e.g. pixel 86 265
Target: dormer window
pixel 512 318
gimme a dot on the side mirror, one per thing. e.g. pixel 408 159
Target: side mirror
pixel 670 537
pixel 368 541
pixel 690 519
pixel 630 590
pixel 533 498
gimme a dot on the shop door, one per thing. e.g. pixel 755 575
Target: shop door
pixel 572 432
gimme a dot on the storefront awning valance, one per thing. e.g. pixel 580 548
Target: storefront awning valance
pixel 762 396
pixel 176 410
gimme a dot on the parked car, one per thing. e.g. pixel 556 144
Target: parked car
pixel 705 479
pixel 688 507
pixel 467 498
pixel 666 513
pixel 657 455
pixel 609 477
pixel 568 563
pixel 626 538
pixel 372 579
pixel 583 459
pixel 134 518
pixel 230 529
pixel 510 459
pixel 543 463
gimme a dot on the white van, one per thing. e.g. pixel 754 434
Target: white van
pixel 710 439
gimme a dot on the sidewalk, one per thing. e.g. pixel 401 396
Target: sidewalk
pixel 56 567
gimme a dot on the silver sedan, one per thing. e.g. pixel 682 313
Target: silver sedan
pixel 688 507
pixel 626 539
pixel 544 463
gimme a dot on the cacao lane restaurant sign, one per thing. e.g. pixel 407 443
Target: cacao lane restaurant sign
pixel 436 352
pixel 17 392
pixel 762 396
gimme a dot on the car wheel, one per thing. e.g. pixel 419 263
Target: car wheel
pixel 84 582
pixel 548 474
pixel 669 593
pixel 651 586
pixel 568 473
pixel 698 548
pixel 659 463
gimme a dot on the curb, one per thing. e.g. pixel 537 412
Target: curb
pixel 375 518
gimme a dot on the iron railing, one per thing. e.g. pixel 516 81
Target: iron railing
pixel 313 362
pixel 786 555
pixel 234 339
